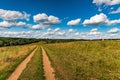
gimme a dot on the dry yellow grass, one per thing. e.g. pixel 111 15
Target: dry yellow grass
pixel 86 60
pixel 11 56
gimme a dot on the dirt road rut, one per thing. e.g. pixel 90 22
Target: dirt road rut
pixel 48 70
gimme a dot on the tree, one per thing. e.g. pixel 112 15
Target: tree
pixel 1 43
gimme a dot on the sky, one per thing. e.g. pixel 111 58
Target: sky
pixel 60 19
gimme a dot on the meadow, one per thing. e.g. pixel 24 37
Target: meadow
pixel 76 60
pixel 11 56
pixel 85 60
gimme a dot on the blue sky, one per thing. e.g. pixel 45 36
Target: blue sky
pixel 77 19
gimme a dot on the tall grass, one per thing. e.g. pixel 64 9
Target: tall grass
pixel 10 57
pixel 34 69
pixel 86 60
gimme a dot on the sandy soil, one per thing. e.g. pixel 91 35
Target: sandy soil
pixel 15 75
pixel 48 70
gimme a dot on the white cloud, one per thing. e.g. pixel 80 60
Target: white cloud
pixel 45 19
pixel 49 29
pixel 40 17
pixel 25 34
pixel 23 24
pixel 103 4
pixel 116 11
pixel 113 22
pixel 96 20
pixel 71 30
pixel 92 34
pixel 38 26
pixel 61 33
pixel 6 24
pixel 12 18
pixel 94 31
pixel 100 19
pixel 114 30
pixel 77 34
pixel 9 15
pixel 52 20
pixel 106 2
pixel 58 33
pixel 74 22
pixel 57 29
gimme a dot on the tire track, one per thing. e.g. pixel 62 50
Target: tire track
pixel 48 70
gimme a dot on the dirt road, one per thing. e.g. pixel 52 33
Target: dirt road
pixel 48 70
pixel 15 75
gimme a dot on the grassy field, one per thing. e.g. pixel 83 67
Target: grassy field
pixel 34 69
pixel 11 56
pixel 85 60
pixel 80 60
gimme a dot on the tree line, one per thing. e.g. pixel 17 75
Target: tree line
pixel 5 41
pixel 21 41
pixel 16 41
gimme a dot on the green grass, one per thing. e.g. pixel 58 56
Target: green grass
pixel 85 60
pixel 11 57
pixel 34 69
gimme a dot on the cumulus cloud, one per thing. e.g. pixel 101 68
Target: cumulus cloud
pixel 114 30
pixel 106 2
pixel 103 4
pixel 96 20
pixel 71 30
pixel 22 24
pixel 44 21
pixel 77 33
pixel 52 31
pixel 100 19
pixel 116 11
pixel 10 18
pixel 40 17
pixel 113 22
pixel 24 34
pixel 74 22
pixel 52 20
pixel 57 29
pixel 94 31
pixel 38 26
pixel 9 15
pixel 7 24
pixel 59 33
